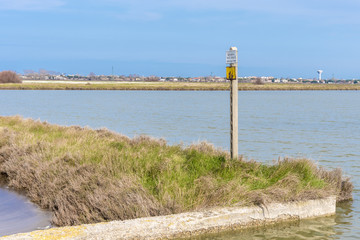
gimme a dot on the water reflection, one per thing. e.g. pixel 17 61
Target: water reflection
pixel 319 228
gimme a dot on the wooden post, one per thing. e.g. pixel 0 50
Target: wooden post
pixel 232 75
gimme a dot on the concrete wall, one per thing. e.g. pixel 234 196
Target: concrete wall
pixel 191 223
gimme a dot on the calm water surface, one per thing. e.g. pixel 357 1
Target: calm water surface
pixel 321 125
pixel 17 214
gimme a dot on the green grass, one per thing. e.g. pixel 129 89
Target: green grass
pixel 175 86
pixel 86 175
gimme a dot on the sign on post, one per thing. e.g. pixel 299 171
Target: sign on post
pixel 231 57
pixel 230 73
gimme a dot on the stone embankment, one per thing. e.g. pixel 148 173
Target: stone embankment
pixel 190 224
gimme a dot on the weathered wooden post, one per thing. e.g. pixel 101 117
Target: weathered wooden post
pixel 232 75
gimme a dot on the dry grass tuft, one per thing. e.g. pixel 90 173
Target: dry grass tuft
pixel 87 176
pixel 77 193
pixel 343 185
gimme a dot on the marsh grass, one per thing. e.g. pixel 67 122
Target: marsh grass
pixel 185 86
pixel 87 176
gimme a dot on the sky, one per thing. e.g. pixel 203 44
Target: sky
pixel 187 38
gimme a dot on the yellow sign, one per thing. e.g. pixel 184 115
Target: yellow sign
pixel 230 73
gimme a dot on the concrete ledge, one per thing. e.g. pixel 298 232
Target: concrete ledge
pixel 189 224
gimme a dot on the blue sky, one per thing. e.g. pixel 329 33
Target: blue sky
pixel 281 38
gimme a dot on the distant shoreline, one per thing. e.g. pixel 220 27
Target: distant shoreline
pixel 169 86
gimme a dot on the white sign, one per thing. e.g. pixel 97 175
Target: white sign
pixel 231 56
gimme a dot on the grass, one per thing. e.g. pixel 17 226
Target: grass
pixel 87 176
pixel 174 86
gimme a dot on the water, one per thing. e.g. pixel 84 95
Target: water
pixel 321 125
pixel 17 214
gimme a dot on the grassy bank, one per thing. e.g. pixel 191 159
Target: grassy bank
pixel 86 176
pixel 174 86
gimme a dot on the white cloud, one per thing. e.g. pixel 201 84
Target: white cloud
pixel 139 15
pixel 224 5
pixel 286 7
pixel 30 5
